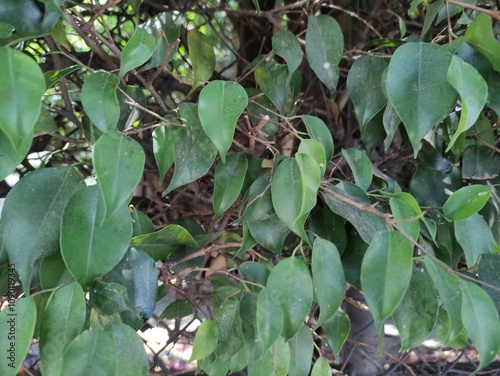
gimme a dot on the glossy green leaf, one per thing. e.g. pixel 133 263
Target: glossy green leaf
pixel 254 272
pixel 228 323
pixel 315 150
pixel 364 84
pixel 272 79
pixel 220 105
pixel 385 273
pixel 480 163
pixel 475 237
pixel 481 321
pixel 325 224
pixel 324 49
pixel 131 357
pixel 177 310
pixel 53 76
pixel 130 114
pixel 141 223
pixel 269 318
pixel 465 202
pixel 270 233
pixel 27 16
pixel 92 244
pixel 287 46
pixel 164 140
pixel 300 178
pixel 301 352
pixel 118 162
pixel 137 51
pixel 201 53
pixel 480 36
pixel 17 326
pixel 317 130
pixel 290 286
pixel 416 315
pixel 100 101
pixel 406 216
pixel 12 155
pixel 337 330
pixel 418 89
pixel 62 321
pixel 91 353
pixel 228 181
pixel 473 92
pixel 31 216
pixel 361 167
pixel 328 278
pixel 194 152
pixel 321 368
pixel 248 313
pixel 258 200
pixel 21 88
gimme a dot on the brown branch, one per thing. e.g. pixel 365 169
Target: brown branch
pixel 492 13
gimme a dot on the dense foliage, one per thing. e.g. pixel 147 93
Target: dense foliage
pixel 274 155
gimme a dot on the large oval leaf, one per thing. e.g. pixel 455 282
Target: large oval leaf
pixel 466 202
pixel 286 45
pixel 219 107
pixel 418 89
pixel 137 51
pixel 228 181
pixel 479 35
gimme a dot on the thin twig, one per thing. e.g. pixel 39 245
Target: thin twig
pixel 492 13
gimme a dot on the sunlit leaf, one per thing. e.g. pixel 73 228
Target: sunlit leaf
pixel 466 202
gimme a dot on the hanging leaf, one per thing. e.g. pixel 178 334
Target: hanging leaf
pixel 164 140
pixel 31 216
pixel 269 318
pixel 228 323
pixel 100 101
pixel 418 89
pixel 228 181
pixel 248 313
pixel 315 150
pixel 475 237
pixel 466 202
pixel 290 286
pixel 361 167
pixel 53 272
pixel 12 155
pixel 118 162
pixel 479 35
pixel 202 56
pixel 321 368
pixel 287 46
pixel 220 105
pixel 324 49
pixel 301 352
pixel 317 130
pixel 137 51
pixel 270 233
pixel 406 216
pixel 272 79
pixel 92 244
pixel 473 92
pixel 328 279
pixel 337 330
pixel 140 222
pixel 385 273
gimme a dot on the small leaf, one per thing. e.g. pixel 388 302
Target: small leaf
pixel 301 352
pixel 475 237
pixel 317 130
pixel 269 318
pixel 137 51
pixel 315 150
pixel 202 56
pixel 337 330
pixel 53 76
pixel 480 36
pixel 220 105
pixel 321 368
pixel 466 202
pixel 228 181
pixel 286 45
pixel 361 167
pixel 164 140
pixel 272 79
pixel 100 101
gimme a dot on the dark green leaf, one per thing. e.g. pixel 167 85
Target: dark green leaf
pixel 286 45
pixel 177 309
pixel 254 272
pixel 489 265
pixel 130 114
pixel 475 237
pixel 406 216
pixel 337 330
pixel 27 16
pixel 325 224
pixel 272 79
pixel 270 233
pixel 269 318
pixel 137 51
pixel 248 311
pixel 229 326
pixel 140 222
pixel 480 163
pixel 228 181
pixel 201 53
pixel 164 140
pixel 53 272
pixel 361 167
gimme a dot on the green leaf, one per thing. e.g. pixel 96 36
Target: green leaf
pixel 325 224
pixel 21 88
pixel 290 286
pixel 248 312
pixel 473 92
pixel 418 89
pixel 201 53
pixel 385 273
pixel 315 150
pixel 406 216
pixel 137 51
pixel 416 315
pixel 100 101
pixel 140 222
pixel 53 76
pixel 118 162
pixel 272 79
pixel 287 46
pixel 300 178
pixel 361 167
pixel 254 272
pixel 480 319
pixel 324 49
pixel 229 326
pixel 92 244
pixel 220 105
pixel 480 36
pixel 337 330
pixel 488 272
pixel 31 216
pixel 301 352
pixel 364 84
pixel 317 130
pixel 53 272
pixel 131 357
pixel 62 321
pixel 160 245
pixel 321 368
pixel 328 278
pixel 17 326
pixel 480 163
pixel 228 181
pixel 93 352
pixel 465 202
pixel 177 310
pixel 130 114
pixel 194 152
pixel 269 319
pixel 12 155
pixel 270 233
pixel 164 140
pixel 27 16
pixel 475 237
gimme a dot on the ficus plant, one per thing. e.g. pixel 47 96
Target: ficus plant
pixel 296 218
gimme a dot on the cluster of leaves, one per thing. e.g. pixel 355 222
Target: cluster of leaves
pixel 425 256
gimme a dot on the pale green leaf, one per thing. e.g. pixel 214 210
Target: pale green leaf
pixel 228 181
pixel 317 130
pixel 479 35
pixel 475 237
pixel 315 150
pixel 137 51
pixel 361 167
pixel 466 202
pixel 286 45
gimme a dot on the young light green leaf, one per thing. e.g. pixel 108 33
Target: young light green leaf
pixel 272 79
pixel 286 45
pixel 118 162
pixel 220 105
pixel 406 216
pixel 475 237
pixel 480 36
pixel 315 150
pixel 317 130
pixel 301 352
pixel 337 330
pixel 269 318
pixel 201 53
pixel 328 278
pixel 473 92
pixel 466 202
pixel 385 273
pixel 324 49
pixel 321 368
pixel 480 319
pixel 361 167
pixel 205 341
pixel 290 286
pixel 92 244
pixel 100 101
pixel 228 181
pixel 137 51
pixel 364 84
pixel 418 89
